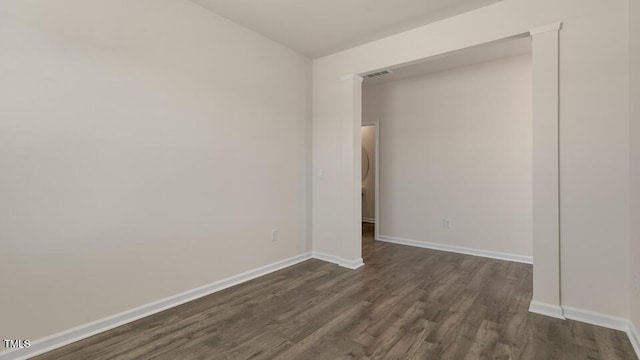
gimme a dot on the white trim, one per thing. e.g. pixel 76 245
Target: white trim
pixel 326 257
pixel 84 331
pixel 377 185
pixel 606 321
pixel 457 249
pixel 590 317
pixel 634 337
pixel 351 77
pixel 546 28
pixel 369 220
pixel 547 242
pixel 376 123
pixel 66 337
pixel 350 264
pixel 554 311
pixel 594 318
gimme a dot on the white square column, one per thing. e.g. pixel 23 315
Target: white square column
pixel 351 207
pixel 546 174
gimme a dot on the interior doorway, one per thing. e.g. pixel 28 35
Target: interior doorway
pixel 457 154
pixel 546 185
pixel 369 134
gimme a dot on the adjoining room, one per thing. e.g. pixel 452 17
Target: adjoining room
pixel 456 159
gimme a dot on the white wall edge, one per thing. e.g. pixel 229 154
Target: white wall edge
pixel 634 337
pixel 369 220
pixel 84 331
pixel 546 28
pixel 554 311
pixel 457 249
pixel 350 264
pixel 351 77
pixel 594 318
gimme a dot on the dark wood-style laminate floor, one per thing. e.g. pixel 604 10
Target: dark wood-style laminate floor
pixel 406 303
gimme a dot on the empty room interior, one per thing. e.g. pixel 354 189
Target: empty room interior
pixel 277 179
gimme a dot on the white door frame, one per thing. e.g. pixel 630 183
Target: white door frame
pixel 376 124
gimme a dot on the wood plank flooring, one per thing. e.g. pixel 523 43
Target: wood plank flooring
pixel 405 303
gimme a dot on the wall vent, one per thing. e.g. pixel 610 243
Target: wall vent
pixel 379 73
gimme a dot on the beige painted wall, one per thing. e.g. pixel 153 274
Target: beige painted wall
pixel 147 148
pixel 594 131
pixel 457 146
pixel 634 61
pixel 369 182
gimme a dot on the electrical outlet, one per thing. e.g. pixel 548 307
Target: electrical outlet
pixel 274 235
pixel 446 223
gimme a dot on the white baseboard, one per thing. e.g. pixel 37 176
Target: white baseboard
pixel 594 318
pixel 554 311
pixel 634 337
pixel 350 264
pixel 84 331
pixel 607 321
pixel 369 220
pixel 590 317
pixel 457 249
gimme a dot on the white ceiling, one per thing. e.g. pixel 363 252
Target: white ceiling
pixel 322 27
pixel 466 57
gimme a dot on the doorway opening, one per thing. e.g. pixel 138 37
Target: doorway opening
pixel 458 148
pixel 545 170
pixel 369 134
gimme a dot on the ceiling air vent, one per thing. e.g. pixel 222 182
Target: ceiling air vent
pixel 379 73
